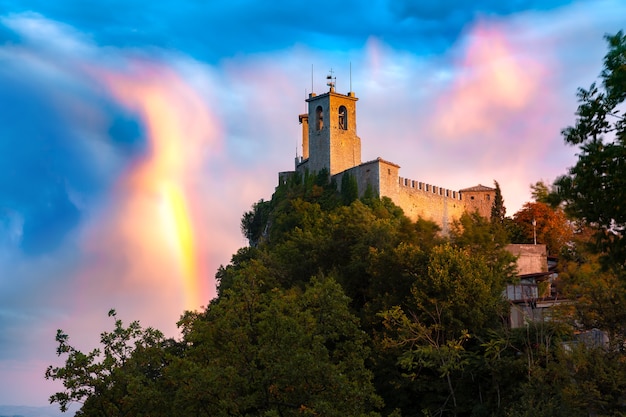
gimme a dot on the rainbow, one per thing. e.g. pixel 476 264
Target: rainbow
pixel 178 129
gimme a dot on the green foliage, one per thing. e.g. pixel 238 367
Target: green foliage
pixel 575 380
pixel 255 222
pixel 600 300
pixel 544 193
pixel 458 299
pixel 484 238
pixel 107 380
pixel 349 188
pixel 594 190
pixel 498 211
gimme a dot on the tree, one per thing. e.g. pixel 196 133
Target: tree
pixel 108 381
pixel 594 190
pixel 457 300
pixel 349 188
pixel 260 351
pixel 543 223
pixel 254 222
pixel 498 211
pixel 545 193
pixel 598 296
pixel 483 238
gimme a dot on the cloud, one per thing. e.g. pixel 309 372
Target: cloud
pixel 493 84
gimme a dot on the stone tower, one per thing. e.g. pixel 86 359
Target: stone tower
pixel 329 137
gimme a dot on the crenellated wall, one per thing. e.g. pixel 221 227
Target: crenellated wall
pixel 430 202
pixel 417 186
pixel 416 198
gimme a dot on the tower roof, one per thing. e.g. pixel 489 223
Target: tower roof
pixel 476 188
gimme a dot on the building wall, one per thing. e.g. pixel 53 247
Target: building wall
pixel 366 174
pixel 480 201
pixel 345 151
pixel 531 259
pixel 430 203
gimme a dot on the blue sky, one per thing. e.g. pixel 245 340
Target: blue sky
pixel 457 93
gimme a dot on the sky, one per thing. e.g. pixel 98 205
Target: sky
pixel 134 134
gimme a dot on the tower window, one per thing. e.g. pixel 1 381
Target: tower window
pixel 319 120
pixel 343 118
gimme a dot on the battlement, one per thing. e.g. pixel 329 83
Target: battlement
pixel 418 186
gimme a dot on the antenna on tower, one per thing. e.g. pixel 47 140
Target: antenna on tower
pixel 350 76
pixel 311 78
pixel 330 80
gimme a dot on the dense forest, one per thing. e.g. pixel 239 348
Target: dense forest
pixel 341 306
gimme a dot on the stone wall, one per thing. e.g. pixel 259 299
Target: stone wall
pixel 417 199
pixel 429 202
pixel 531 259
pixel 345 151
pixel 479 198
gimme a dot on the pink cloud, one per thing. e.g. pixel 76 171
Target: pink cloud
pixel 494 81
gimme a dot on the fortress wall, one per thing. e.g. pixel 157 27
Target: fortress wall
pixel 418 199
pixel 429 202
pixel 303 166
pixel 417 186
pixel 365 174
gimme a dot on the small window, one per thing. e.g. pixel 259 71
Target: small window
pixel 343 118
pixel 319 119
pixel 472 197
pixel 488 197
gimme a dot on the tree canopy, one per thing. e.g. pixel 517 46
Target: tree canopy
pixel 594 190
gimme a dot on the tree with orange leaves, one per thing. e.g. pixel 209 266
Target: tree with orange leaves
pixel 539 222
